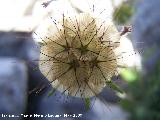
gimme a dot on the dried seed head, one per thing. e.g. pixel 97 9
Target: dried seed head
pixel 79 55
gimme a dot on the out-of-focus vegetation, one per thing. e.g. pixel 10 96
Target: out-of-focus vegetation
pixel 142 99
pixel 123 12
pixel 129 74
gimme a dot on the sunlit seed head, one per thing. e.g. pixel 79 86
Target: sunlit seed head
pixel 79 57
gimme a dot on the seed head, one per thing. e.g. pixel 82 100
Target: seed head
pixel 79 55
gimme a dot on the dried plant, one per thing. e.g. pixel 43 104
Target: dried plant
pixel 80 53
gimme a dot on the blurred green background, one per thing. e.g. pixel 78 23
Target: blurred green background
pixel 143 91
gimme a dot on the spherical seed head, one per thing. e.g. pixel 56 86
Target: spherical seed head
pixel 80 56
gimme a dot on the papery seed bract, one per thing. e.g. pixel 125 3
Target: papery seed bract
pixel 78 57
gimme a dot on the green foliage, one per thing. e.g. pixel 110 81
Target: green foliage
pixel 114 86
pixel 51 92
pixel 129 74
pixel 123 13
pixel 143 101
pixel 87 103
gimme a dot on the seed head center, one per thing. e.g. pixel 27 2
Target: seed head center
pixel 83 49
pixel 74 64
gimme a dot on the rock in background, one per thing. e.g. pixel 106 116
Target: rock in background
pixel 13 86
pixel 17 50
pixel 146 31
pixel 147 22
